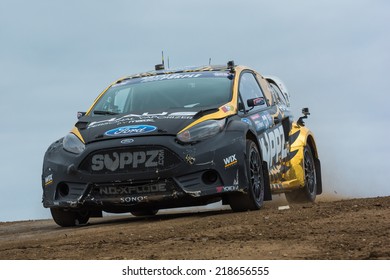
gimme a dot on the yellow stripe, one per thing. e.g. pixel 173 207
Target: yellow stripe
pixel 76 132
pixel 48 183
pixel 97 98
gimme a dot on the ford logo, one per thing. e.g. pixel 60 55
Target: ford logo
pixel 127 141
pixel 130 130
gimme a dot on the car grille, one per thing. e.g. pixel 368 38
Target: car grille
pixel 130 159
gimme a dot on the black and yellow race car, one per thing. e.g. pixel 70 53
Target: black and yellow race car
pixel 175 138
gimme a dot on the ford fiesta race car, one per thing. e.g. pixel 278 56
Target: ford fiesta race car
pixel 175 138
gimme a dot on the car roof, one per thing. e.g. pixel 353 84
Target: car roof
pixel 278 82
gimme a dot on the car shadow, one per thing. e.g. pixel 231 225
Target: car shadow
pixel 124 219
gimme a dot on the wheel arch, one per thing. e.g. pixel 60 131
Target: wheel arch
pixel 310 142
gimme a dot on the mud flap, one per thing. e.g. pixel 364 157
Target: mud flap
pixel 267 187
pixel 317 164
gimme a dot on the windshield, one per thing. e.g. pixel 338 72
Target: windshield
pixel 154 94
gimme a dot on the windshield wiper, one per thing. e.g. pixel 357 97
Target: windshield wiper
pixel 97 112
pixel 201 113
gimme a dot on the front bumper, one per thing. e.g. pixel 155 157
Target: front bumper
pixel 190 175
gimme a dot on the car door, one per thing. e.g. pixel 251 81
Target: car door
pixel 259 111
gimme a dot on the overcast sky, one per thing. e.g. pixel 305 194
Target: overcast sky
pixel 57 56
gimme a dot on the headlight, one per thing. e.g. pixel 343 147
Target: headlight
pixel 201 131
pixel 73 144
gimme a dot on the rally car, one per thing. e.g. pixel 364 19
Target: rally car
pixel 174 138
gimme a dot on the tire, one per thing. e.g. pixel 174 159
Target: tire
pixel 309 192
pixel 254 198
pixel 142 213
pixel 67 218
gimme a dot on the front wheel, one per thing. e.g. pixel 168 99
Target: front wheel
pixel 254 198
pixel 68 218
pixel 309 192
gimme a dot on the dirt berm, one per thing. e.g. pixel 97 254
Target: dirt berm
pixel 344 229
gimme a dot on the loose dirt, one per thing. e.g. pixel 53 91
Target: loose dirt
pixel 343 229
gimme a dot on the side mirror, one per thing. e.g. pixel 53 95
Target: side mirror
pixel 80 114
pixel 255 102
pixel 305 112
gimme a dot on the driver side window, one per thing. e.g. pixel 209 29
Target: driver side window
pixel 249 89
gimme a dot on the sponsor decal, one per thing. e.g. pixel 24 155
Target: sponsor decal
pixel 48 179
pixel 133 199
pixel 235 182
pixel 126 160
pixel 258 101
pixel 144 118
pixel 190 159
pixel 227 189
pixel 170 77
pixel 262 121
pixel 260 125
pixel 273 147
pixel 131 130
pixel 188 73
pixel 245 120
pixel 119 121
pixel 227 108
pixel 132 190
pixel 220 74
pixel 127 141
pixel 232 188
pixel 230 161
pixel 267 118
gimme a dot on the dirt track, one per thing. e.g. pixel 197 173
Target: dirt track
pixel 346 229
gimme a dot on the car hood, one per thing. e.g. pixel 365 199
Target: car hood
pixel 96 128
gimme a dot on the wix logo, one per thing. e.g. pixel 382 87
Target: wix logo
pixel 230 161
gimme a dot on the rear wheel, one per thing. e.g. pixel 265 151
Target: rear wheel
pixel 68 218
pixel 141 213
pixel 254 198
pixel 309 192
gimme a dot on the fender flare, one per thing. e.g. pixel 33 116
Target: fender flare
pixel 249 133
pixel 300 137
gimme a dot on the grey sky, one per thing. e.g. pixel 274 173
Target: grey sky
pixel 57 56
